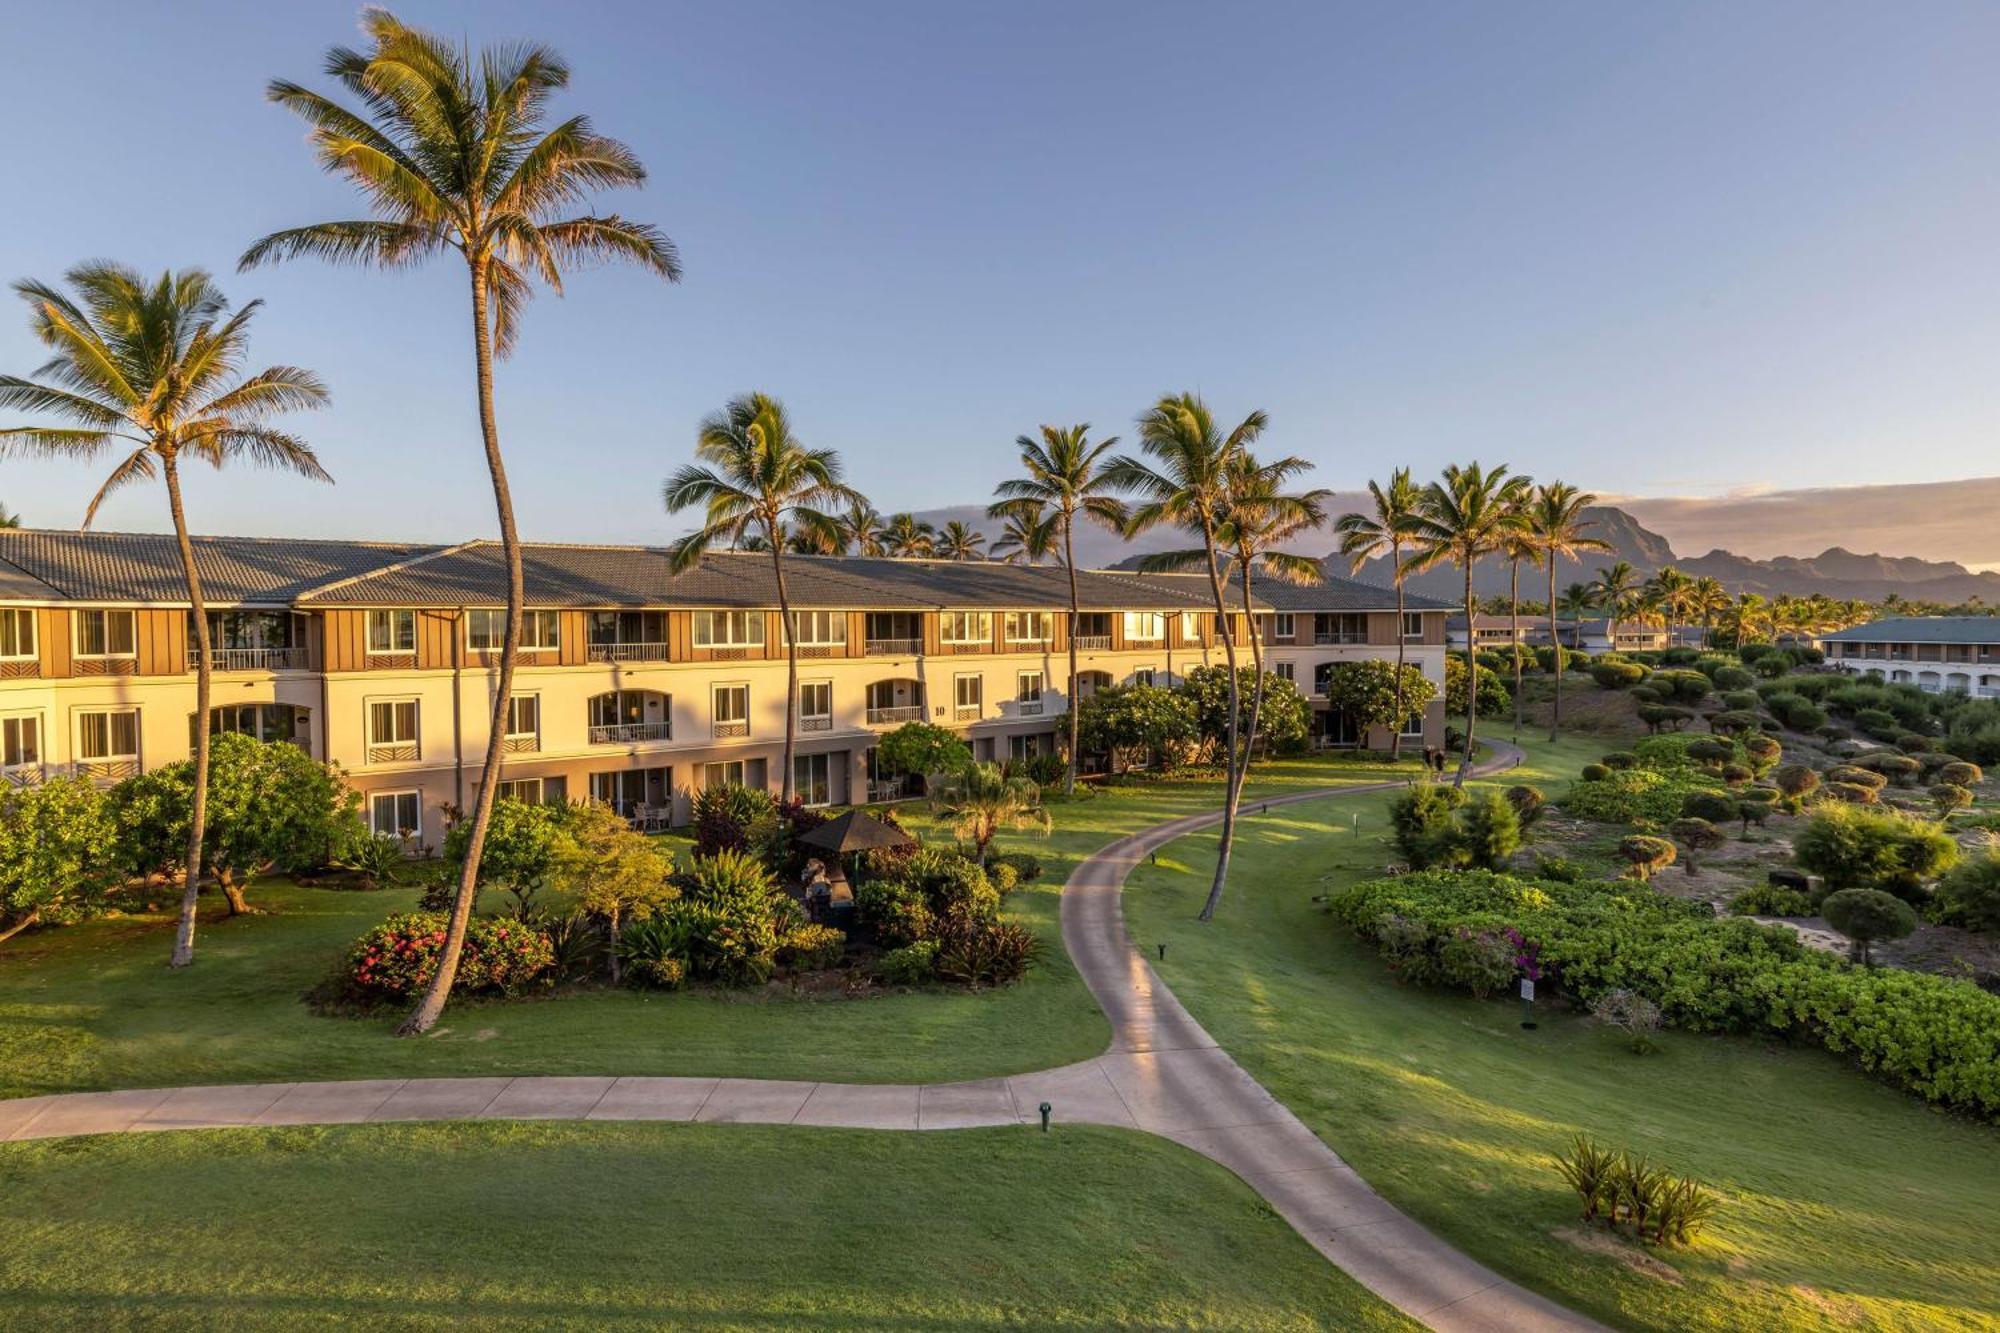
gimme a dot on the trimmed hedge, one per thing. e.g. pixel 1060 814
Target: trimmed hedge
pixel 1933 1036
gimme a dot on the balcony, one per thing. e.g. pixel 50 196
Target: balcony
pixel 628 652
pixel 1028 708
pixel 106 666
pixel 965 713
pixel 1322 638
pixel 819 723
pixel 894 647
pixel 888 717
pixel 726 730
pixel 631 733
pixel 520 744
pixel 250 659
pixel 1093 643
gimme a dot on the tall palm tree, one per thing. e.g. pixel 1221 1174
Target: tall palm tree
pixel 1026 539
pixel 1064 478
pixel 1560 532
pixel 454 152
pixel 152 371
pixel 1385 533
pixel 1184 480
pixel 1617 591
pixel 1707 600
pixel 858 530
pixel 957 541
pixel 1464 518
pixel 1673 591
pixel 908 536
pixel 1517 544
pixel 760 481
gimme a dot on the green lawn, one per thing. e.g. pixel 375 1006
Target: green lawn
pixel 516 1226
pixel 1847 1205
pixel 93 1006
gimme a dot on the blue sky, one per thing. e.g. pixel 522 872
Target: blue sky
pixel 1653 249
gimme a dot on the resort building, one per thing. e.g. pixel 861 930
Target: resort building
pixel 1934 653
pixel 1595 636
pixel 1496 631
pixel 635 685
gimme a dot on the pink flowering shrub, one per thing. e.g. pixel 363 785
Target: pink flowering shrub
pixel 400 957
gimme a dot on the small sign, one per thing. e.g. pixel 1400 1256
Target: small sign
pixel 1527 989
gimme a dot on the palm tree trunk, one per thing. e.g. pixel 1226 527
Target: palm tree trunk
pixel 1555 647
pixel 1514 635
pixel 20 925
pixel 1471 680
pixel 791 660
pixel 183 954
pixel 1075 718
pixel 1402 648
pixel 1256 666
pixel 1232 779
pixel 431 1007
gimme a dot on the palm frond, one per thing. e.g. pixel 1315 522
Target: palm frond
pixel 138 466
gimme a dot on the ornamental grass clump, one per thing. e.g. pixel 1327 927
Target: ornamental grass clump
pixel 1621 1190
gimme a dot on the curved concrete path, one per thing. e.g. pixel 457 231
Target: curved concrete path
pixel 1163 1074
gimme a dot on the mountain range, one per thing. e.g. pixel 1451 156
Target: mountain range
pixel 1836 572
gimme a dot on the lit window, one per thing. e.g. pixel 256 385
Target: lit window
pixel 819 629
pixel 729 629
pixel 968 692
pixel 20 741
pixel 729 774
pixel 106 634
pixel 732 703
pixel 486 630
pixel 1145 626
pixel 1029 626
pixel 17 633
pixel 816 699
pixel 392 722
pixel 392 631
pixel 108 735
pixel 524 715
pixel 966 626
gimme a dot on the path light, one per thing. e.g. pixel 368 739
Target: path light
pixel 1046 1108
pixel 1163 952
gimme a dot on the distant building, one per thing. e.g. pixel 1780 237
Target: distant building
pixel 1497 631
pixel 1594 636
pixel 1935 653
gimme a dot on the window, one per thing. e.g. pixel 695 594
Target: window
pixel 398 814
pixel 1285 671
pixel 264 722
pixel 524 715
pixel 20 741
pixel 631 715
pixel 819 629
pixel 1142 676
pixel 1413 625
pixel 966 626
pixel 609 628
pixel 816 700
pixel 731 710
pixel 729 629
pixel 17 633
pixel 106 634
pixel 392 729
pixel 1284 626
pixel 968 693
pixel 1413 727
pixel 1145 626
pixel 1030 626
pixel 729 774
pixel 1323 677
pixel 1028 687
pixel 530 791
pixel 812 778
pixel 392 631
pixel 486 630
pixel 1190 624
pixel 1027 747
pixel 107 735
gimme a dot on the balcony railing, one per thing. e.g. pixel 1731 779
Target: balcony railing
pixel 1028 707
pixel 628 652
pixel 966 713
pixel 878 717
pixel 250 659
pixel 627 733
pixel 108 770
pixel 520 744
pixel 819 723
pixel 895 647
pixel 724 730
pixel 398 753
pixel 1093 643
pixel 1339 636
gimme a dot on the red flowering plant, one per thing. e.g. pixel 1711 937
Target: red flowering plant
pixel 399 957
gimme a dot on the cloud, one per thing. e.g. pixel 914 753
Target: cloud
pixel 1944 520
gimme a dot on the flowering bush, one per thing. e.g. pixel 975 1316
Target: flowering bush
pixel 400 957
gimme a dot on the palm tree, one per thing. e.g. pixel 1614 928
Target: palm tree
pixel 1673 592
pixel 1464 518
pixel 453 152
pixel 761 482
pixel 1026 539
pixel 908 536
pixel 1257 515
pixel 1064 478
pixel 1186 483
pixel 1577 600
pixel 151 371
pixel 1707 599
pixel 1384 533
pixel 1617 591
pixel 859 530
pixel 981 799
pixel 959 542
pixel 1517 544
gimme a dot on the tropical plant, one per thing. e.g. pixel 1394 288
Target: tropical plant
pixel 454 152
pixel 53 869
pixel 908 536
pixel 1517 544
pixel 1151 718
pixel 611 871
pixel 1555 521
pixel 957 541
pixel 979 800
pixel 1616 589
pixel 1377 693
pixel 759 479
pixel 1064 477
pixel 1184 479
pixel 1470 514
pixel 857 530
pixel 1383 533
pixel 152 371
pixel 922 750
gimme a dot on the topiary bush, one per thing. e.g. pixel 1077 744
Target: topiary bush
pixel 1639 796
pixel 1852 793
pixel 1742 700
pixel 1714 806
pixel 1728 677
pixel 1616 675
pixel 1883 849
pixel 1897 768
pixel 1865 916
pixel 1795 783
pixel 1528 803
pixel 1969 895
pixel 1960 773
pixel 1668 717
pixel 1696 836
pixel 1645 854
pixel 1594 772
pixel 1681 686
pixel 1771 900
pixel 1620 759
pixel 1854 773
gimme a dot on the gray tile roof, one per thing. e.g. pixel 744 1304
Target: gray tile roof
pixel 1922 629
pixel 1334 594
pixel 146 566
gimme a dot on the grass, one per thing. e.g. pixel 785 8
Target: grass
pixel 517 1226
pixel 1847 1204
pixel 93 1006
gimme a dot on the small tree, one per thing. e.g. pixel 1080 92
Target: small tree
pixel 1645 855
pixel 520 853
pixel 1865 916
pixel 53 867
pixel 1494 701
pixel 1695 835
pixel 1970 895
pixel 1368 692
pixel 1947 797
pixel 1796 782
pixel 1486 831
pixel 615 873
pixel 1282 719
pixel 981 800
pixel 1158 721
pixel 922 750
pixel 1854 847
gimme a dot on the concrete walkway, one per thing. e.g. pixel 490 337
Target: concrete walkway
pixel 1163 1074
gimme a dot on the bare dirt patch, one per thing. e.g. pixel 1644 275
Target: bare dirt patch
pixel 1634 1258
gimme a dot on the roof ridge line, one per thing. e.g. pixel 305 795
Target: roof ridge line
pixel 393 566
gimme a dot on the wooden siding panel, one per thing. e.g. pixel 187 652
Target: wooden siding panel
pixel 52 641
pixel 345 637
pixel 437 635
pixel 1382 628
pixel 575 637
pixel 161 638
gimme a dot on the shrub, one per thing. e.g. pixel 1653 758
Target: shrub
pixel 1960 774
pixel 984 953
pixel 1573 660
pixel 1856 848
pixel 1645 854
pixel 1714 806
pixel 1635 796
pixel 1799 714
pixel 1620 759
pixel 1771 900
pixel 922 750
pixel 1969 895
pixel 1004 877
pixel 1854 773
pixel 1484 832
pixel 910 965
pixel 1617 675
pixel 1479 961
pixel 1696 835
pixel 1915 743
pixel 729 918
pixel 1732 678
pixel 1660 1208
pixel 1897 768
pixel 399 957
pixel 1877 722
pixel 893 912
pixel 1946 798
pixel 810 947
pixel 53 867
pixel 1594 772
pixel 1867 915
pixel 1711 751
pixel 1734 721
pixel 1741 699
pixel 653 952
pixel 1417 816
pixel 1026 865
pixel 1631 1013
pixel 1664 716
pixel 1494 698
pixel 724 815
pixel 1737 775
pixel 1762 752
pixel 1528 803
pixel 1796 782
pixel 1853 793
